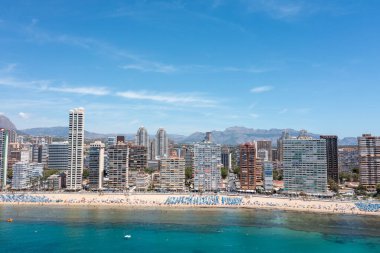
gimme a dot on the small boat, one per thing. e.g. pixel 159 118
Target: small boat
pixel 127 236
pixel 10 220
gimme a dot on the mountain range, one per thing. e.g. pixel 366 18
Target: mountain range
pixel 230 136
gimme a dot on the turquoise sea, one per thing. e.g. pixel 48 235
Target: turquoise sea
pixel 59 229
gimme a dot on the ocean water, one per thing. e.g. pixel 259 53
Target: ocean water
pixel 60 229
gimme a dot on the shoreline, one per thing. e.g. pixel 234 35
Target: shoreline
pixel 157 201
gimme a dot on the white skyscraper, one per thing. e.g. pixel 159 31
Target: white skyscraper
pixel 162 143
pixel 207 166
pixel 4 142
pixel 76 144
pixel 96 165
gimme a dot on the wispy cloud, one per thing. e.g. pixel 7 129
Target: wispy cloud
pixel 281 9
pixel 23 115
pixel 8 68
pixel 261 89
pixel 150 67
pixel 254 115
pixel 97 91
pixel 170 98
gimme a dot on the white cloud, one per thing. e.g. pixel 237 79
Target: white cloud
pixel 150 67
pixel 23 115
pixel 261 89
pixel 8 68
pixel 170 98
pixel 254 115
pixel 97 91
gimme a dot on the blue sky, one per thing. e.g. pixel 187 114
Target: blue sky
pixel 192 65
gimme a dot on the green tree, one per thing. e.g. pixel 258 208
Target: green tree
pixel 333 186
pixel 236 170
pixel 189 173
pixel 10 173
pixel 224 172
pixel 378 190
pixel 355 170
pixel 361 190
pixel 47 173
pixel 86 173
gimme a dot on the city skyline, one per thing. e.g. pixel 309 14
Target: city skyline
pixel 223 67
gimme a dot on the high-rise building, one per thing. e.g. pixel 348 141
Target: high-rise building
pixel 268 176
pixel 348 158
pixel 207 166
pixel 280 147
pixel 40 153
pixel 172 173
pixel 20 176
pixel 162 143
pixel 118 156
pixel 4 147
pixel 248 167
pixel 58 155
pixel 188 154
pixel 369 161
pixel 226 157
pixel 137 162
pixel 332 156
pixel 305 165
pixel 142 139
pixel 152 150
pixel 265 145
pixel 96 165
pixel 263 155
pixel 111 140
pixel 76 145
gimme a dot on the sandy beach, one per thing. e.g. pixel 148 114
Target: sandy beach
pixel 158 201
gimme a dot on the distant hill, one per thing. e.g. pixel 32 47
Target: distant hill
pixel 6 123
pixel 230 136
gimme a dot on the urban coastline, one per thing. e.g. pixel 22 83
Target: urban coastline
pixel 300 174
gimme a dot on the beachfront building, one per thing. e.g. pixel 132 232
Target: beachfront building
pixel 207 166
pixel 118 156
pixel 249 167
pixel 162 143
pixel 280 147
pixel 75 151
pixel 143 181
pixel 96 165
pixel 369 161
pixel 58 155
pixel 137 162
pixel 56 182
pixel 4 148
pixel 305 165
pixel 267 146
pixel 332 156
pixel 188 154
pixel 172 173
pixel 25 175
pixel 268 176
pixel 348 158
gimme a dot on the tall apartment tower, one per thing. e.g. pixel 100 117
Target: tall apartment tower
pixel 332 156
pixel 4 147
pixel 280 147
pixel 248 166
pixel 265 145
pixel 142 139
pixel 118 156
pixel 369 161
pixel 305 165
pixel 76 145
pixel 172 173
pixel 96 165
pixel 162 143
pixel 207 166
pixel 58 155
